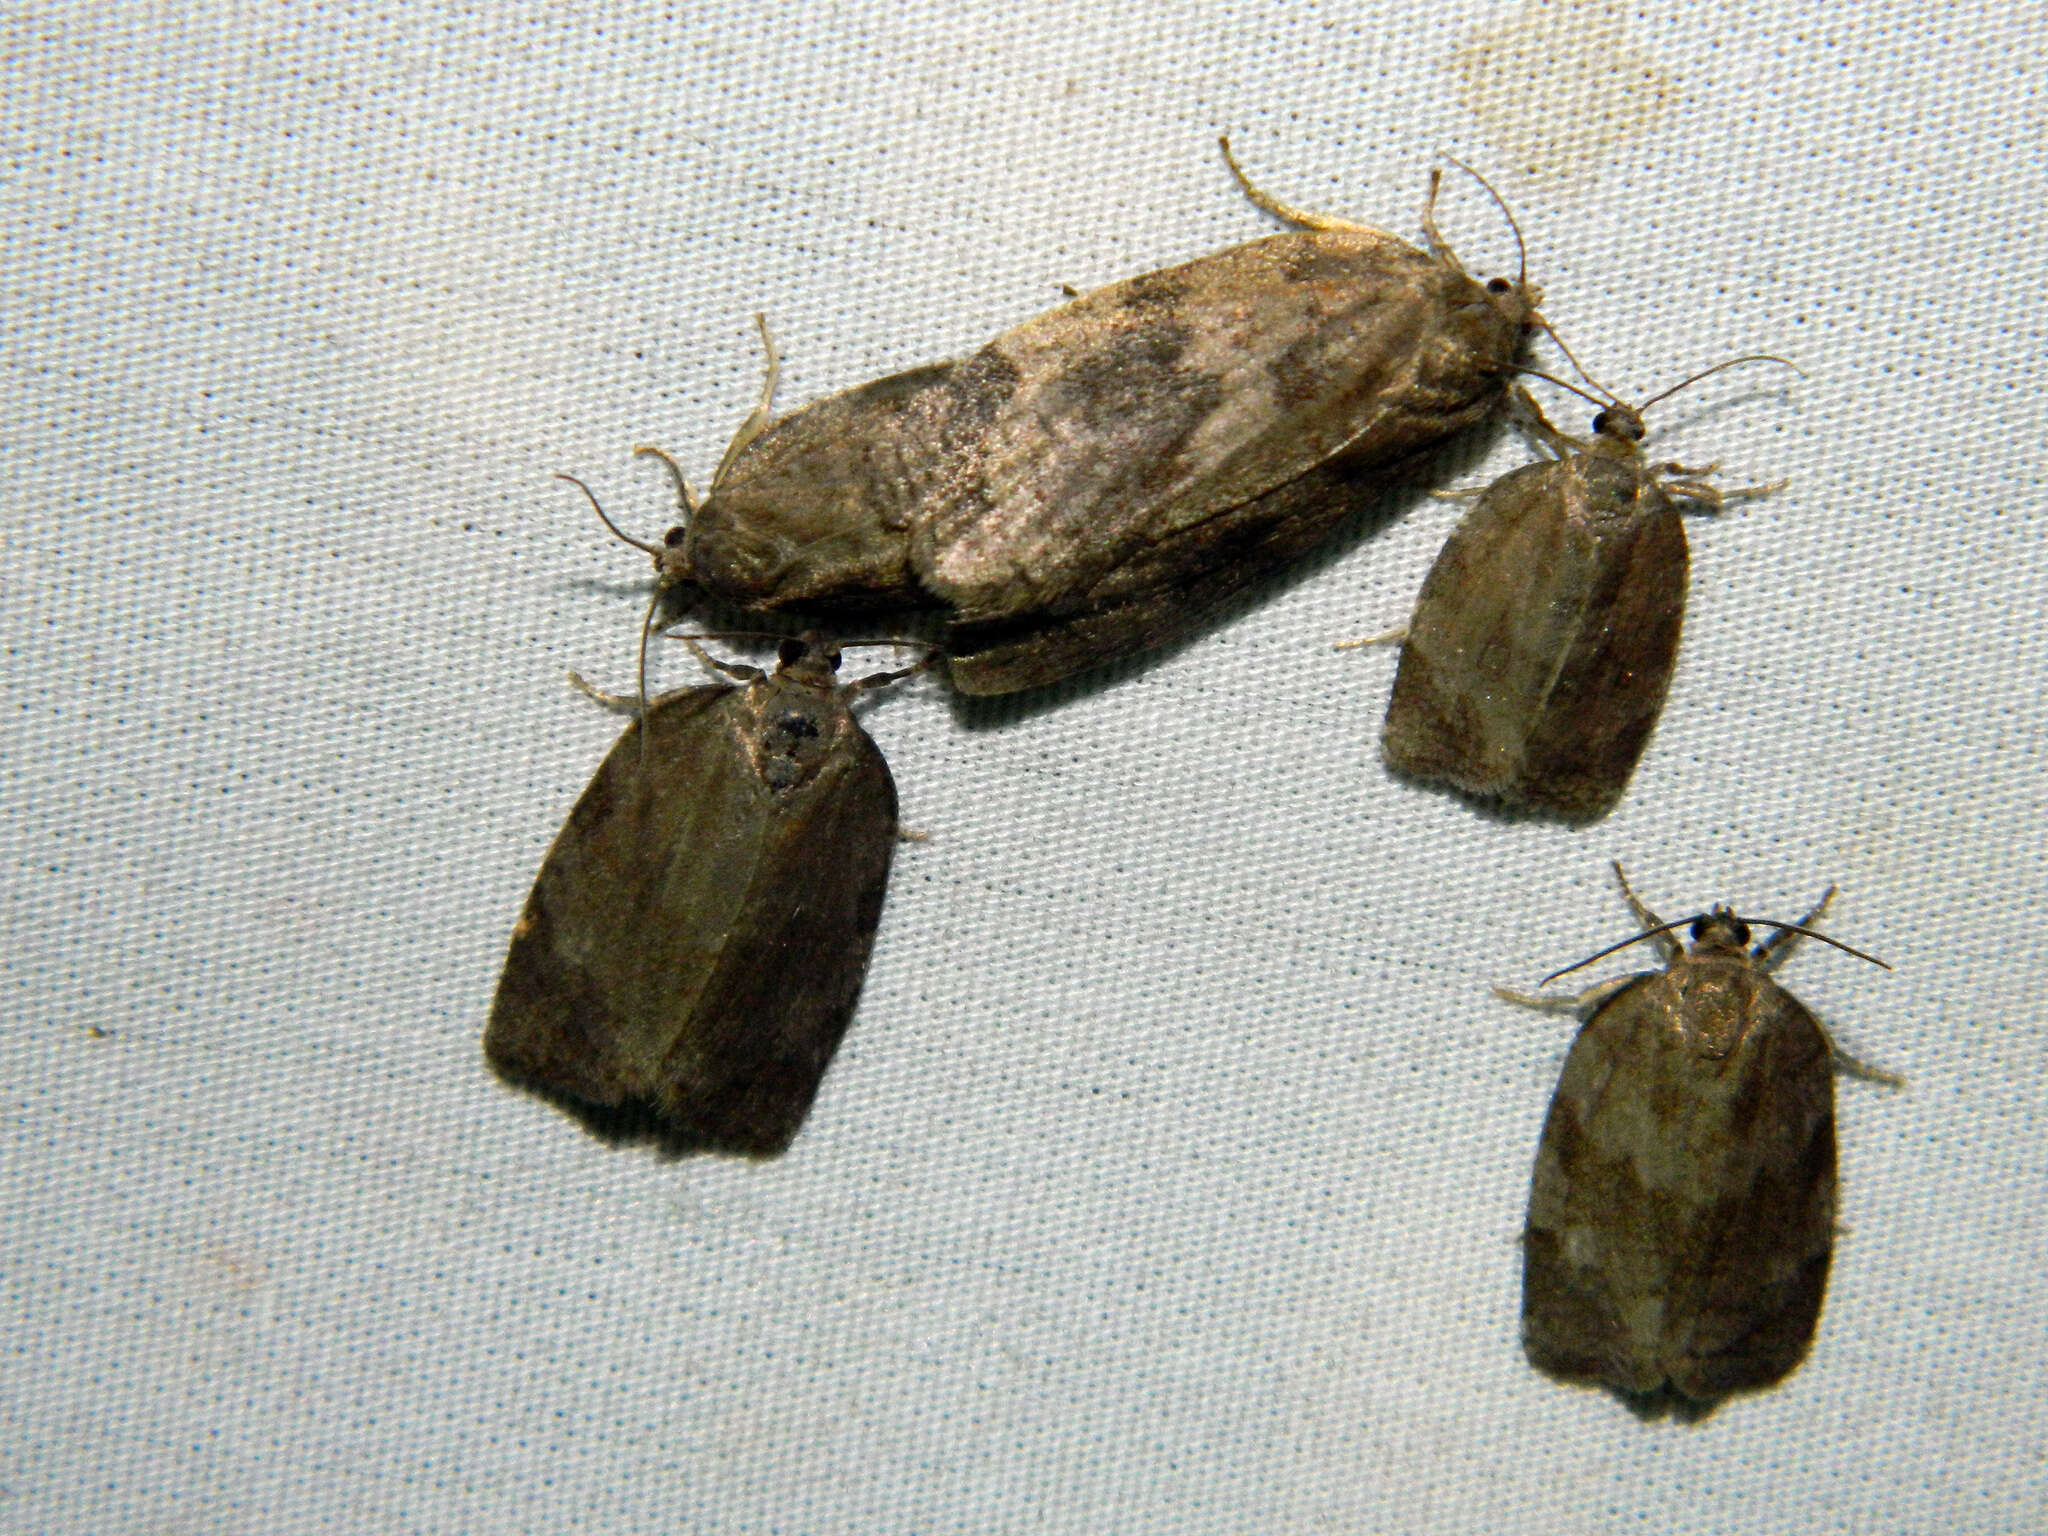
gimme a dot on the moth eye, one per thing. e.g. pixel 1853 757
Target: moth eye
pixel 833 658
pixel 1698 929
pixel 1603 422
pixel 789 652
pixel 675 536
pixel 1499 285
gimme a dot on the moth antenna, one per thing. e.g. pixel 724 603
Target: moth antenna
pixel 727 634
pixel 685 497
pixel 646 628
pixel 1765 922
pixel 595 506
pixel 1612 397
pixel 1647 933
pixel 1521 246
pixel 1551 378
pixel 1811 933
pixel 1733 362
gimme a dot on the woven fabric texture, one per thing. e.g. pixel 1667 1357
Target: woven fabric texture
pixel 1171 1177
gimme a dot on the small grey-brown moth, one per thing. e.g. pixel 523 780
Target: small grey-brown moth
pixel 1097 480
pixel 697 936
pixel 1682 1212
pixel 1542 645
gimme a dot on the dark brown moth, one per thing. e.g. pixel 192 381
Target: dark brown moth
pixel 1541 648
pixel 1682 1213
pixel 693 947
pixel 1097 480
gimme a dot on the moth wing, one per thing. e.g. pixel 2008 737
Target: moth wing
pixel 672 866
pixel 1157 594
pixel 1597 714
pixel 1498 608
pixel 1682 1207
pixel 1136 414
pixel 1767 1240
pixel 1577 1278
pixel 783 989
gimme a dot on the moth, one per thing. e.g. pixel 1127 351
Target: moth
pixel 1543 642
pixel 1096 481
pixel 1682 1213
pixel 695 942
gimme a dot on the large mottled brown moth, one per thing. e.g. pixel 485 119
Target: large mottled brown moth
pixel 697 936
pixel 1097 480
pixel 1682 1212
pixel 1543 642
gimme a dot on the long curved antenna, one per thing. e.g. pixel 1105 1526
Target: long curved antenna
pixel 729 634
pixel 1761 922
pixel 1612 397
pixel 685 498
pixel 1749 357
pixel 646 629
pixel 1521 246
pixel 1551 378
pixel 623 538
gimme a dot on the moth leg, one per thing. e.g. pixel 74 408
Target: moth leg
pixel 1385 637
pixel 1775 950
pixel 1565 1002
pixel 1851 1066
pixel 758 418
pixel 876 680
pixel 1690 484
pixel 1862 1071
pixel 617 703
pixel 740 670
pixel 1529 420
pixel 1667 947
pixel 1287 212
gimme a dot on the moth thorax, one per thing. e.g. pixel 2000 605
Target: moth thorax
pixel 1716 1009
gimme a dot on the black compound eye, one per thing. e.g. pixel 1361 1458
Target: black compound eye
pixel 1499 285
pixel 1698 930
pixel 1741 933
pixel 789 652
pixel 675 536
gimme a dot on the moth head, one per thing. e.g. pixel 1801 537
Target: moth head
pixel 1719 929
pixel 1622 423
pixel 672 567
pixel 1516 299
pixel 809 658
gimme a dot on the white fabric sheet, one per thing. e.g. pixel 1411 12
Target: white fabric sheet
pixel 1171 1177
